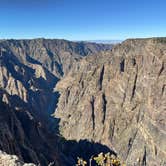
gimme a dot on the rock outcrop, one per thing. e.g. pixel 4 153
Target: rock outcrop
pixel 29 71
pixel 110 98
pixel 58 56
pixel 118 98
pixel 23 134
pixel 11 160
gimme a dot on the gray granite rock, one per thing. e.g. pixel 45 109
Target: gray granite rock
pixel 11 160
pixel 118 98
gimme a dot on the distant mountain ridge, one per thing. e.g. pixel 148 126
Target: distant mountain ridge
pixel 106 41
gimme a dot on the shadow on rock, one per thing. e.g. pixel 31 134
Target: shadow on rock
pixel 85 149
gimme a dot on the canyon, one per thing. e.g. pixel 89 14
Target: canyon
pixel 61 100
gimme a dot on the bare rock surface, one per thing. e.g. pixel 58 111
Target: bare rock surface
pixel 110 98
pixel 23 134
pixel 118 98
pixel 29 71
pixel 58 56
pixel 11 160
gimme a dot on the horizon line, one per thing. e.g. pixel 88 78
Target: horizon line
pixel 76 40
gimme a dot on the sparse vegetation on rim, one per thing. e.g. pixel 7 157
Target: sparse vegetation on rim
pixel 101 160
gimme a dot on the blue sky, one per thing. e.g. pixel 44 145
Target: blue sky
pixel 82 19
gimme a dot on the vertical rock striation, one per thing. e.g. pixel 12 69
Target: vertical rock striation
pixel 29 71
pixel 118 98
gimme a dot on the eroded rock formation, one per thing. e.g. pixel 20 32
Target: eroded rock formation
pixel 11 160
pixel 29 71
pixel 118 98
pixel 110 98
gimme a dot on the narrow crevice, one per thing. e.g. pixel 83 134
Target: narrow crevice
pixel 133 61
pixel 93 112
pixel 161 69
pixel 163 88
pixel 122 65
pixel 101 78
pixel 124 98
pixel 155 151
pixel 144 157
pixel 94 72
pixel 134 87
pixel 67 95
pixel 112 130
pixel 153 59
pixel 130 143
pixel 104 107
pixel 134 107
pixel 80 78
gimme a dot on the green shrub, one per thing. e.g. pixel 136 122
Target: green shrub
pixel 101 160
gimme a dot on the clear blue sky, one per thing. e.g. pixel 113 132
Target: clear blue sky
pixel 82 19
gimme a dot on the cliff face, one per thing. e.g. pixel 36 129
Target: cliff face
pixel 113 97
pixel 58 56
pixel 29 71
pixel 118 98
pixel 22 134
